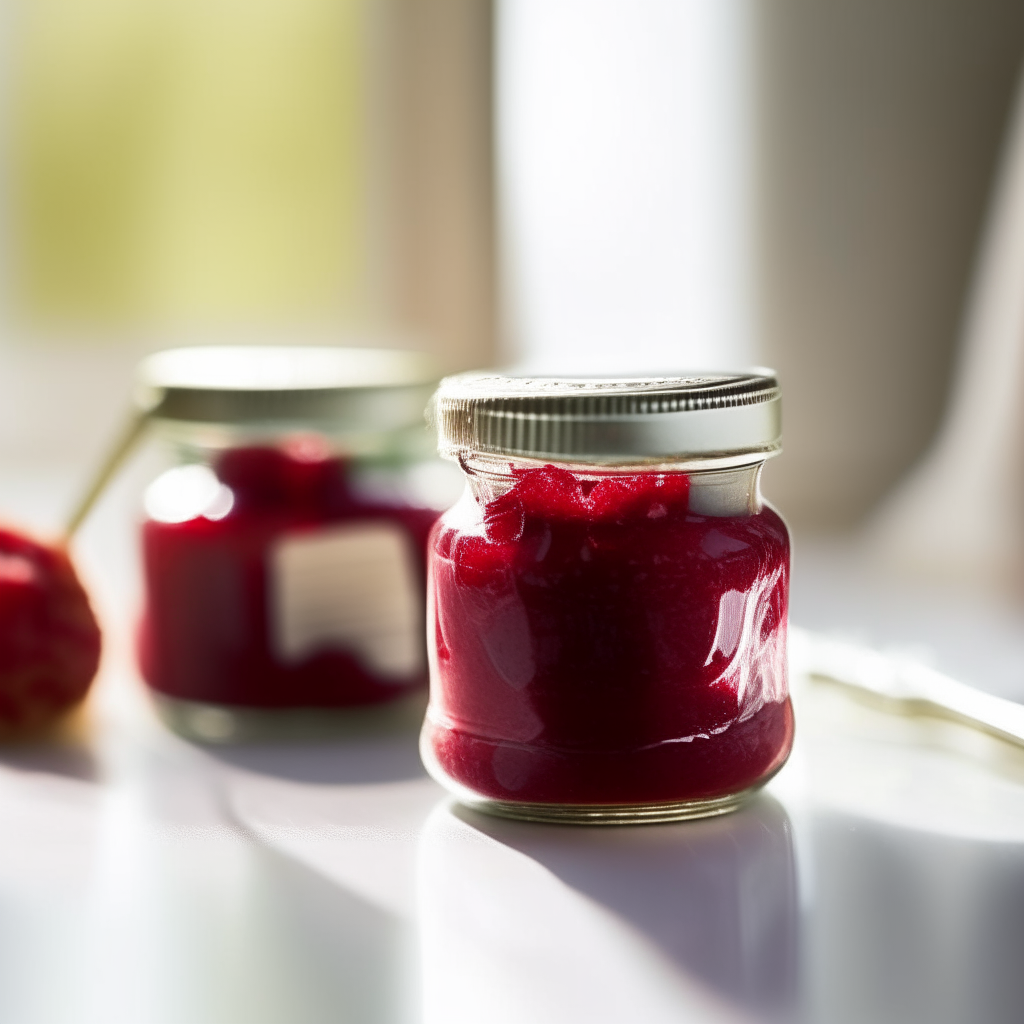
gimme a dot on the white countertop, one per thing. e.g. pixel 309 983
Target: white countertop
pixel 879 878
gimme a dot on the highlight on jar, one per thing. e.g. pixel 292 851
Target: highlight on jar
pixel 607 603
pixel 284 542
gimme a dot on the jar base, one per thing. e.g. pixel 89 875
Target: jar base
pixel 613 814
pixel 204 722
pixel 652 813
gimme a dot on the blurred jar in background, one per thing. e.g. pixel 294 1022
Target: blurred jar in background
pixel 284 551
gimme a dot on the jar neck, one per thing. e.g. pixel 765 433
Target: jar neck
pixel 722 489
pixel 203 441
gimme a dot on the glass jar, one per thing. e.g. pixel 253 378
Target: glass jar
pixel 284 550
pixel 607 603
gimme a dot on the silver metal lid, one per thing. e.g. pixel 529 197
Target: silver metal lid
pixel 282 385
pixel 605 419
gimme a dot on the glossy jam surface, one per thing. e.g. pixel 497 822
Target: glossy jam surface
pixel 597 642
pixel 207 632
pixel 49 639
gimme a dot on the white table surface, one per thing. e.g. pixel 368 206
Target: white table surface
pixel 879 878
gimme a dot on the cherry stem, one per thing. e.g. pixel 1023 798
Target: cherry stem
pixel 124 442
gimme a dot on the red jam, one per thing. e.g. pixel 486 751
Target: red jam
pixel 208 632
pixel 597 642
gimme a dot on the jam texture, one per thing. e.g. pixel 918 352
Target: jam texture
pixel 207 632
pixel 592 641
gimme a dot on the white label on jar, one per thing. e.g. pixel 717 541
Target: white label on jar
pixel 352 586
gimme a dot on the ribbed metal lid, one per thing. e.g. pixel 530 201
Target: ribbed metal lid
pixel 283 385
pixel 608 419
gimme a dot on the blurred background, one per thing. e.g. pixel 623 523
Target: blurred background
pixel 834 188
pixel 565 185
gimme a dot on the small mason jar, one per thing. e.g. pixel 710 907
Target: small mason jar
pixel 607 603
pixel 284 549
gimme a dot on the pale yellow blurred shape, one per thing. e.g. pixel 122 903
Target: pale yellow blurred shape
pixel 189 161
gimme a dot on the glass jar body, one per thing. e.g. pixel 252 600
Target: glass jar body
pixel 284 570
pixel 607 644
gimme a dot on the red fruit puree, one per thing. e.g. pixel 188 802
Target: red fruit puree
pixel 597 642
pixel 207 633
pixel 49 640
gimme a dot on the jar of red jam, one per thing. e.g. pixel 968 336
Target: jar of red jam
pixel 607 603
pixel 284 548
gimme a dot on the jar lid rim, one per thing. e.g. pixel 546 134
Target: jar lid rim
pixel 286 384
pixel 678 415
pixel 696 386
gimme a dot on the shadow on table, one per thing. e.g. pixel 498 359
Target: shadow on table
pixel 341 762
pixel 306 951
pixel 74 761
pixel 65 748
pixel 363 749
pixel 913 926
pixel 718 896
pixel 210 930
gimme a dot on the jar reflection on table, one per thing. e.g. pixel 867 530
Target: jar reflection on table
pixel 639 924
pixel 284 552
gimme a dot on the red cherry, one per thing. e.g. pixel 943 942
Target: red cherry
pixel 49 639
